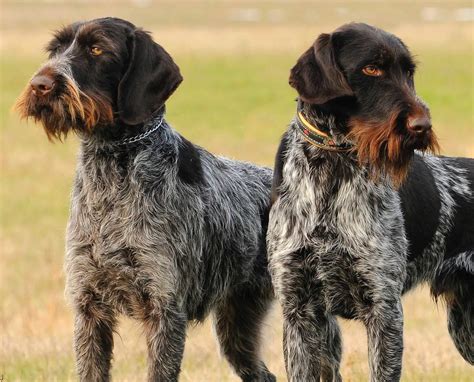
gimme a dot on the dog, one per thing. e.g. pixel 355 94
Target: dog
pixel 160 229
pixel 362 211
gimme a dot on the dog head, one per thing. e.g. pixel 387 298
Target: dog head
pixel 366 75
pixel 99 72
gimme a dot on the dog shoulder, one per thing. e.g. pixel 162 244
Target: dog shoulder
pixel 190 169
pixel 421 204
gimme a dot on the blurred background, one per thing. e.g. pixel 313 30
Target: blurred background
pixel 235 100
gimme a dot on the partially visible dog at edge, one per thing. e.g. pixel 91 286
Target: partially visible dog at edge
pixel 159 229
pixel 360 215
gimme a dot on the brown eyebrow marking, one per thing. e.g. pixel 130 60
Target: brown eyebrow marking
pixel 93 33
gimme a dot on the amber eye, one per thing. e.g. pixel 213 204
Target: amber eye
pixel 96 51
pixel 372 70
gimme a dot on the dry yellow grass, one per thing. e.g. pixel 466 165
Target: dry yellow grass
pixel 235 84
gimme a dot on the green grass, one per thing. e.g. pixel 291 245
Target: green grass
pixel 237 106
pixel 447 86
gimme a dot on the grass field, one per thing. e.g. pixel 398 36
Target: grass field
pixel 235 57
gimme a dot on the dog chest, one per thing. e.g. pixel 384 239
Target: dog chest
pixel 120 251
pixel 352 229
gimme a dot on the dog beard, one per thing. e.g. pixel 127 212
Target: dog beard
pixel 67 109
pixel 386 148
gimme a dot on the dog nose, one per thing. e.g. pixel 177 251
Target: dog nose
pixel 42 85
pixel 419 125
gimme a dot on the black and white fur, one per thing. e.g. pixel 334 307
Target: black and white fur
pixel 165 232
pixel 343 243
pixel 160 229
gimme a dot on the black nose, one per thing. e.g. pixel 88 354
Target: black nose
pixel 42 85
pixel 419 125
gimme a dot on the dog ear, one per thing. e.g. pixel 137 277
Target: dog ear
pixel 150 79
pixel 316 75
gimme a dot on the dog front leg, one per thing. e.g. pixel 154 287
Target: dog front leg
pixel 312 346
pixel 93 339
pixel 165 329
pixel 302 342
pixel 305 324
pixel 331 351
pixel 384 326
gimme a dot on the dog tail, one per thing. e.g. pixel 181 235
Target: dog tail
pixel 454 282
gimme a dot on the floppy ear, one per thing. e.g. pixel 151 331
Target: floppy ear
pixel 316 75
pixel 151 77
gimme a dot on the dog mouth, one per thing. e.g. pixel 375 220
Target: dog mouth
pixel 425 141
pixel 65 108
pixel 415 137
pixel 387 147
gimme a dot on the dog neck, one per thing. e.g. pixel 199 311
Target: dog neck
pixel 320 128
pixel 147 129
pixel 120 134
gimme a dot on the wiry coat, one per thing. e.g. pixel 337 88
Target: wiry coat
pixel 164 232
pixel 344 238
pixel 341 244
pixel 160 229
pixel 167 198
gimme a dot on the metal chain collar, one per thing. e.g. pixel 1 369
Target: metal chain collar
pixel 141 136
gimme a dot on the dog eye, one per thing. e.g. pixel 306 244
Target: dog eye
pixel 372 70
pixel 96 51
